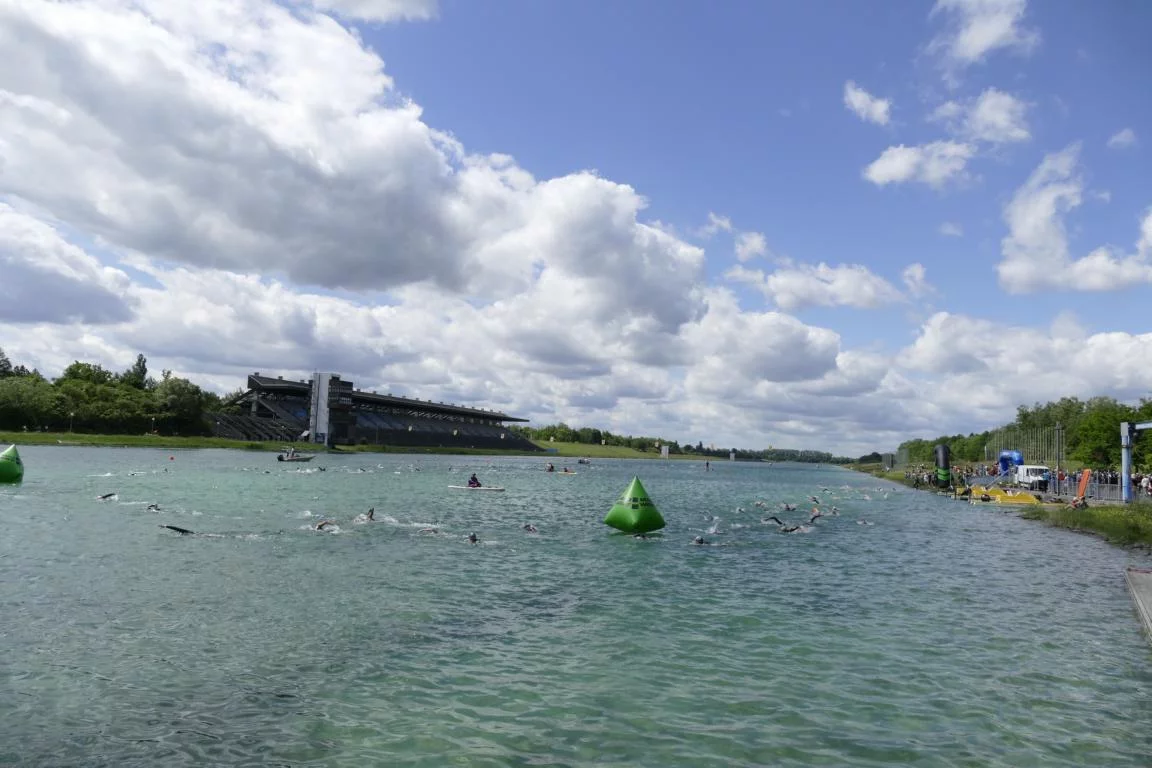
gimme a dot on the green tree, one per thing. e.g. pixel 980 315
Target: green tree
pixel 1097 437
pixel 137 375
pixel 89 372
pixel 28 401
pixel 181 405
pixel 5 365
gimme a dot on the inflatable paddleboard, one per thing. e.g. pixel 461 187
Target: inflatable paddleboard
pixel 476 488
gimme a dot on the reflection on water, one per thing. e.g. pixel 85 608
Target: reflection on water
pixel 939 634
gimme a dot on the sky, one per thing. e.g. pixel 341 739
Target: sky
pixel 818 225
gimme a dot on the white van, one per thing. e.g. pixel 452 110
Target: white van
pixel 1033 476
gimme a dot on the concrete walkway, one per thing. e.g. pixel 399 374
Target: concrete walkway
pixel 1140 584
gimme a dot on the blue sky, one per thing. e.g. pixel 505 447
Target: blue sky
pixel 737 108
pixel 824 225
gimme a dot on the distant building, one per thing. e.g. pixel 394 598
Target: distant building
pixel 331 411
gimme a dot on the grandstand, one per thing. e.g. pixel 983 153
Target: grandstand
pixel 282 410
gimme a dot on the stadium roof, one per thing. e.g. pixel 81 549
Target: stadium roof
pixel 303 388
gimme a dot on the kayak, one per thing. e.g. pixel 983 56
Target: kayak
pixel 476 487
pixel 11 467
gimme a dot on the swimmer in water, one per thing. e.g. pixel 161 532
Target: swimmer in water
pixel 815 514
pixel 153 508
pixel 699 540
pixel 106 496
pixel 473 538
pixel 639 536
pixel 181 531
pixel 528 527
pixel 372 513
pixel 788 507
pixel 320 525
pixel 862 521
pixel 784 527
pixel 428 530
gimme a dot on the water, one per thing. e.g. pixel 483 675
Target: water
pixel 941 635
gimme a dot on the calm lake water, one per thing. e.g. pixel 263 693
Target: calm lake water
pixel 939 635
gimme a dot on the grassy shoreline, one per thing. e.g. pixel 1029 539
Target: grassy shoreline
pixel 171 442
pixel 1125 525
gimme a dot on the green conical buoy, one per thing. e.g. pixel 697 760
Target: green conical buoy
pixel 634 512
pixel 11 468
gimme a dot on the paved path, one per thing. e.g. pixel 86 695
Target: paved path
pixel 1140 584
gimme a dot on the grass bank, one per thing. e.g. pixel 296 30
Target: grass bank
pixel 170 442
pixel 1126 525
pixel 877 470
pixel 592 451
pixel 132 441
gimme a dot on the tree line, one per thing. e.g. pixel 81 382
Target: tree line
pixel 562 433
pixel 1091 431
pixel 88 398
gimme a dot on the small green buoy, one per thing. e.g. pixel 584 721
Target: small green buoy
pixel 634 512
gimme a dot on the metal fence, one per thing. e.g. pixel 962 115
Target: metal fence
pixel 1096 491
pixel 1044 445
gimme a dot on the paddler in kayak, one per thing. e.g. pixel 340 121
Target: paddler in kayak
pixel 473 482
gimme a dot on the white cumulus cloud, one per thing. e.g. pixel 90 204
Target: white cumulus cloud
pixel 997 117
pixel 261 197
pixel 379 10
pixel 1024 365
pixel 804 285
pixel 866 106
pixel 949 229
pixel 976 28
pixel 1036 252
pixel 915 278
pixel 1122 139
pixel 934 164
pixel 716 223
pixel 994 116
pixel 47 279
pixel 750 245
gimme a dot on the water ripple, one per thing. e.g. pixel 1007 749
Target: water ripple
pixel 940 635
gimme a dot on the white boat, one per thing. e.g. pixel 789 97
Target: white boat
pixel 476 487
pixel 291 455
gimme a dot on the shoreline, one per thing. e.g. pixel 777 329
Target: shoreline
pixel 173 442
pixel 1128 526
